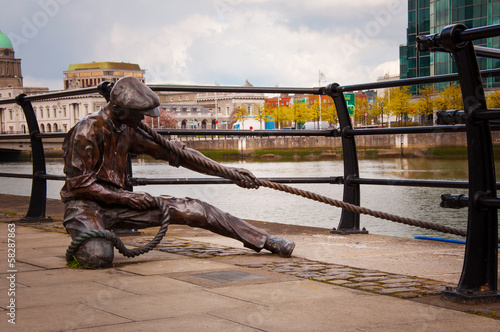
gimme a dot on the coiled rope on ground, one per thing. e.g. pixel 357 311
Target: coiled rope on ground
pixel 232 174
pixel 115 240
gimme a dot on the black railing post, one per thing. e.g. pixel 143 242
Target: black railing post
pixel 349 221
pixel 38 200
pixel 478 282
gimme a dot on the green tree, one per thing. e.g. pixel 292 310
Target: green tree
pixel 493 99
pixel 425 105
pixel 450 98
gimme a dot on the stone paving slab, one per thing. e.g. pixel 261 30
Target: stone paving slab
pixel 32 297
pixel 172 266
pixel 203 322
pixel 309 306
pixel 164 305
pixel 50 318
pixel 64 276
pixel 148 285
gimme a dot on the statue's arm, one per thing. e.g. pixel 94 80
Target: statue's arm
pixel 240 176
pixel 244 178
pixel 82 157
pixel 104 195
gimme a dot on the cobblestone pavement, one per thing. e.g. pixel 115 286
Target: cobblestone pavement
pixel 362 279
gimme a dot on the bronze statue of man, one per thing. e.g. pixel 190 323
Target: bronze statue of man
pixel 95 194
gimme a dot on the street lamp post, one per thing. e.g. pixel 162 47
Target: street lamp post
pixel 382 111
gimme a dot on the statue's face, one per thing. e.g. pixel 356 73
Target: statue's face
pixel 128 116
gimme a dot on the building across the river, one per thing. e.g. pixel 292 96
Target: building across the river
pixel 83 75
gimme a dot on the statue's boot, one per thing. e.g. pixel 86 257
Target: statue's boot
pixel 280 246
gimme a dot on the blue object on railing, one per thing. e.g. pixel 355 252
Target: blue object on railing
pixel 439 239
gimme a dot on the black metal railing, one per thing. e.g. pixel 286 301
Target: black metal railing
pixel 479 275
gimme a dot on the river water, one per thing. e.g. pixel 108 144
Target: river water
pixel 269 205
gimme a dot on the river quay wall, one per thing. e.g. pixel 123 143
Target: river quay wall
pixel 299 147
pixel 407 145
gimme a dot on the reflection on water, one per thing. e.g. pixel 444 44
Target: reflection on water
pixel 269 205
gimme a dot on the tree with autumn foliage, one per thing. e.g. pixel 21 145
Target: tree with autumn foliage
pixel 281 114
pixel 328 113
pixel 302 112
pixel 450 98
pixel 240 114
pixel 360 110
pixel 493 99
pixel 425 104
pixel 264 113
pixel 378 109
pixel 399 102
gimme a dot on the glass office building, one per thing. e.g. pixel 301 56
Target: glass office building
pixel 431 16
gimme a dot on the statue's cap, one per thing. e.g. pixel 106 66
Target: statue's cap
pixel 129 92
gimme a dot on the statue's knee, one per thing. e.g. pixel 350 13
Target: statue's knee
pixel 95 253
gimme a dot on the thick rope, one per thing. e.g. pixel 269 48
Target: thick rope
pixel 115 240
pixel 230 173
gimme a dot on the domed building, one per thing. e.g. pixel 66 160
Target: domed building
pixel 10 67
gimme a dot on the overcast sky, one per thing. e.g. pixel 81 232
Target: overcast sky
pixel 279 42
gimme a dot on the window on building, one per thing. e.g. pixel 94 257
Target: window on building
pixel 64 110
pixel 48 112
pixel 11 117
pixel 76 111
pixel 55 112
pixel 227 110
pixel 187 97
